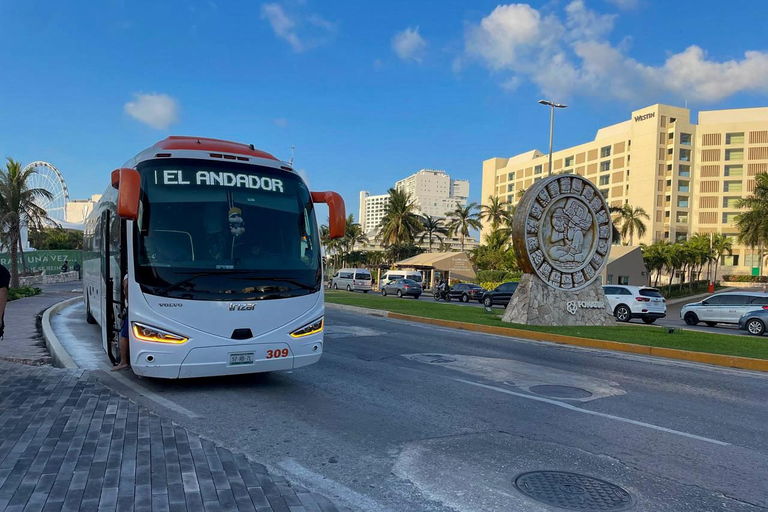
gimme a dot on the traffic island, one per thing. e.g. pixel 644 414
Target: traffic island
pixel 717 349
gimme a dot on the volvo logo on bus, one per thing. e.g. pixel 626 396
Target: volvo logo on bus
pixel 242 307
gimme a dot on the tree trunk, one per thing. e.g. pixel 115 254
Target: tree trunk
pixel 717 264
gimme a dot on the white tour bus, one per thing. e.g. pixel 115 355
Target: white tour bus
pixel 220 245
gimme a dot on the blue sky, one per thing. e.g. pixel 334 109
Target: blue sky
pixel 367 92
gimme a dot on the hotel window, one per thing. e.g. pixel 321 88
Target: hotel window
pixel 682 202
pixel 671 151
pixel 681 217
pixel 511 187
pixel 684 171
pixel 683 186
pixel 604 180
pixel 604 192
pixel 731 202
pixel 568 161
pixel 624 280
pixel 537 169
pixel 667 199
pixel 669 167
pixel 730 261
pixel 671 135
pixel 681 237
pixel 685 155
pixel 666 234
pixel 666 214
pixel 605 166
pixel 734 138
pixel 734 154
pixel 752 260
pixel 685 139
pixel 669 183
pixel 510 198
pixel 511 176
pixel 732 186
pixel 605 151
pixel 734 170
pixel 729 217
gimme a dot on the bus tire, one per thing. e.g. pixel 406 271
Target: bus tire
pixel 88 315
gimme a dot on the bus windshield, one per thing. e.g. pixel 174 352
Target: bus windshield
pixel 224 230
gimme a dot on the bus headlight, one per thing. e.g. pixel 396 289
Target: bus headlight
pixel 149 333
pixel 314 327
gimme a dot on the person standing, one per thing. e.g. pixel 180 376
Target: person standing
pixel 5 280
pixel 76 268
pixel 123 343
pixel 65 267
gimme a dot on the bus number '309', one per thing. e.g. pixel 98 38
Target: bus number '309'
pixel 271 354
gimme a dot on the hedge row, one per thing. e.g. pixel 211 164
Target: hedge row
pixel 24 291
pixel 498 276
pixel 745 279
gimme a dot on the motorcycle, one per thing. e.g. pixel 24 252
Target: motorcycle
pixel 442 294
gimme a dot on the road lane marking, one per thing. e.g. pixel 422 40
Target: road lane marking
pixel 594 413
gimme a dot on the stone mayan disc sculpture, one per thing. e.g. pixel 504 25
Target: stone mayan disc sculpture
pixel 562 238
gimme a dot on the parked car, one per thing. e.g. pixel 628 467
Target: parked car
pixel 723 308
pixel 628 302
pixel 467 291
pixel 402 288
pixel 754 322
pixel 352 279
pixel 501 295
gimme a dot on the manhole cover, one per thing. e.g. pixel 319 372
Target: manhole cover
pixel 560 391
pixel 572 491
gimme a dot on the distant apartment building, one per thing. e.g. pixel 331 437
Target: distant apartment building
pixel 79 209
pixel 687 177
pixel 433 192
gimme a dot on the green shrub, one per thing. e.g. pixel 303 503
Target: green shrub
pixel 732 278
pixel 498 276
pixel 24 291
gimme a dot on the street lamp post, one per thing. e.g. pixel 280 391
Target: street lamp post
pixel 551 126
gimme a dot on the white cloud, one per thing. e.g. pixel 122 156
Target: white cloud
pixel 301 32
pixel 409 45
pixel 573 56
pixel 156 110
pixel 281 122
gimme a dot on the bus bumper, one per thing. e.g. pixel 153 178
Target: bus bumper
pixel 217 360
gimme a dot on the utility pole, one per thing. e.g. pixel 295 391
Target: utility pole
pixel 551 126
pixel 291 161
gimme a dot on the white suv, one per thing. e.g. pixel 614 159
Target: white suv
pixel 628 302
pixel 723 308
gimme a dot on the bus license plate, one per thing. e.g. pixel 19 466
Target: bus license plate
pixel 241 358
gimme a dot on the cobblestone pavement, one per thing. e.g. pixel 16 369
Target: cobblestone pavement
pixel 67 442
pixel 22 343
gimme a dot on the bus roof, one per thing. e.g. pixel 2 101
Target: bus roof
pixel 206 148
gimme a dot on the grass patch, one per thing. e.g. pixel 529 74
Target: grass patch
pixel 697 341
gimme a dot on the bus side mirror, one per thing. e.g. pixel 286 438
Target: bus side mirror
pixel 336 212
pixel 128 185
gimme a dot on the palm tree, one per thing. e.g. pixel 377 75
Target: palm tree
pixel 400 223
pixel 494 212
pixel 721 244
pixel 753 224
pixel 655 258
pixel 18 208
pixel 353 235
pixel 462 219
pixel 631 221
pixel 432 228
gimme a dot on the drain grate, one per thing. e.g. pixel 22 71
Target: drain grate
pixel 572 491
pixel 556 391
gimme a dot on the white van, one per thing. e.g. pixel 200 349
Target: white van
pixel 352 279
pixel 394 275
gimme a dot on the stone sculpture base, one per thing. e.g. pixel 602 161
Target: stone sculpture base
pixel 536 303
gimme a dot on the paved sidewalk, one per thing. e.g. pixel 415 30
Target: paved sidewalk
pixel 22 342
pixel 67 443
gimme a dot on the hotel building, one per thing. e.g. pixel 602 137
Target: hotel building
pixel 687 177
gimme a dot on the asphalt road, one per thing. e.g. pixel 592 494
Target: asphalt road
pixel 409 417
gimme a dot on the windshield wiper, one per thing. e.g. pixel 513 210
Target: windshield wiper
pixel 280 279
pixel 175 286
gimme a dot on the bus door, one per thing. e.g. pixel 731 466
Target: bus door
pixel 107 283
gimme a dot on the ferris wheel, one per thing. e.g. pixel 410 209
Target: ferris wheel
pixel 48 177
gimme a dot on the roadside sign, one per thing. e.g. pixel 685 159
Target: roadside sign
pixel 755 271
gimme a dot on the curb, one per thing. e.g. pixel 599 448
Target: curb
pixel 743 363
pixel 60 356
